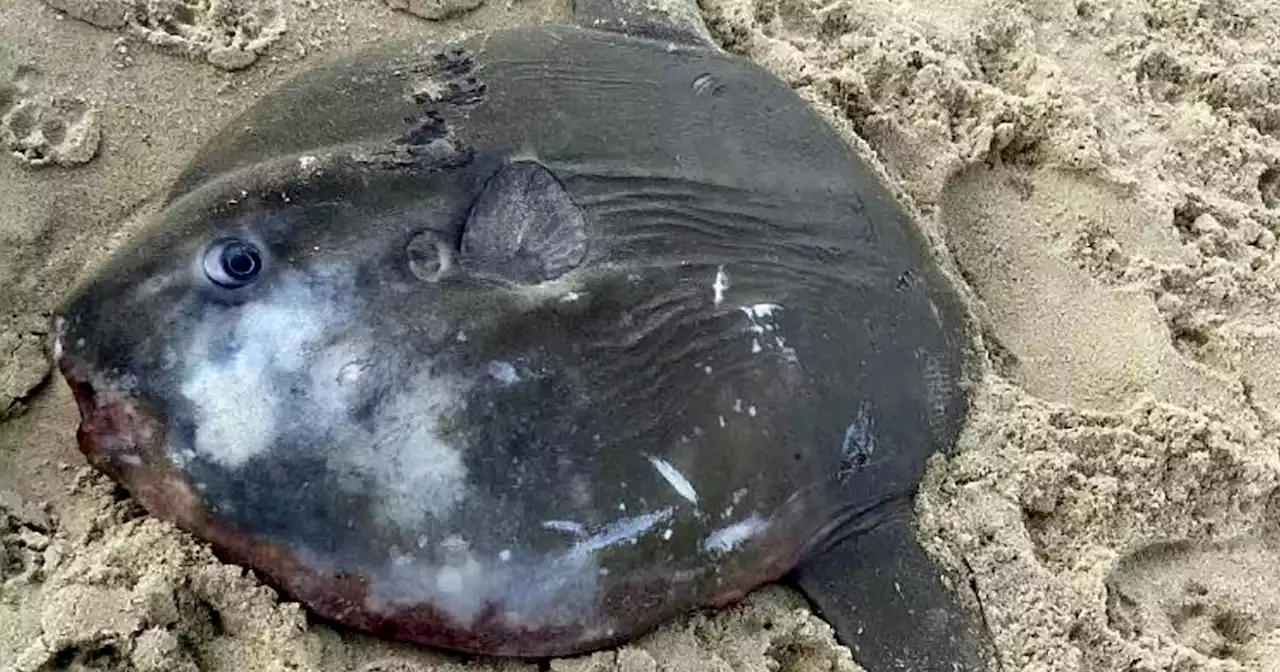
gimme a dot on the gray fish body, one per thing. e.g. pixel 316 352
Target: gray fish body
pixel 557 333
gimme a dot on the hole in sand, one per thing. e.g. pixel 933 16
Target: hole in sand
pixel 1269 187
pixel 1234 627
pixel 1190 342
pixel 23 121
pixel 1184 218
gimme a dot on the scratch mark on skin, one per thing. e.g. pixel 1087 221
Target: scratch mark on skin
pixel 859 441
pixel 675 478
pixel 620 531
pixel 617 532
pixel 569 526
pixel 763 321
pixel 720 284
pixel 731 537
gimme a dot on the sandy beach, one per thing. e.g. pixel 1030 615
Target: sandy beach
pixel 1103 176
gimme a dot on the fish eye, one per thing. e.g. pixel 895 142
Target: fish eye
pixel 232 262
pixel 431 259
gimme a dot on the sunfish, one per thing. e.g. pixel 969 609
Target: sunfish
pixel 525 343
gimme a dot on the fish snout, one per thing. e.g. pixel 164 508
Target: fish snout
pixel 116 431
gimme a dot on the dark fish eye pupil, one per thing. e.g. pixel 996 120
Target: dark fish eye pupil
pixel 240 261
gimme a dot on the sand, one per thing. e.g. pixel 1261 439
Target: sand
pixel 1103 175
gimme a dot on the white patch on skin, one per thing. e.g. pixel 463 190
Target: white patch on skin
pixel 454 544
pixel 675 478
pixel 335 376
pixel 451 580
pixel 414 472
pixel 542 590
pixel 720 284
pixel 503 372
pixel 731 537
pixel 419 474
pixel 763 321
pixel 229 431
pixel 350 373
pixel 244 402
pixel 235 400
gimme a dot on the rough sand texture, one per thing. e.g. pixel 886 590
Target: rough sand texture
pixel 1104 175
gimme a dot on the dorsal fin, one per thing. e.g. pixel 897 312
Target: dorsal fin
pixel 670 20
pixel 524 226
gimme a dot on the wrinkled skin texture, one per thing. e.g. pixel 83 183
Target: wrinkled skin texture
pixel 557 334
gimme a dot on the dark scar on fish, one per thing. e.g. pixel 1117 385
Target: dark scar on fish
pixel 447 83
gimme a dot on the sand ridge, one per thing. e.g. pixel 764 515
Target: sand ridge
pixel 1102 176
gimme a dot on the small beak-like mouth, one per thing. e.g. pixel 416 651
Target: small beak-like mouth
pixel 115 431
pixel 73 370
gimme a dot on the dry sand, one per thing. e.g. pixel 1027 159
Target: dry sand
pixel 1104 175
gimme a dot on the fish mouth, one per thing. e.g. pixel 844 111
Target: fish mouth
pixel 115 432
pixel 122 437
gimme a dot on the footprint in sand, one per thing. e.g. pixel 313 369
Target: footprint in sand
pixel 1047 253
pixel 42 129
pixel 227 34
pixel 1220 599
